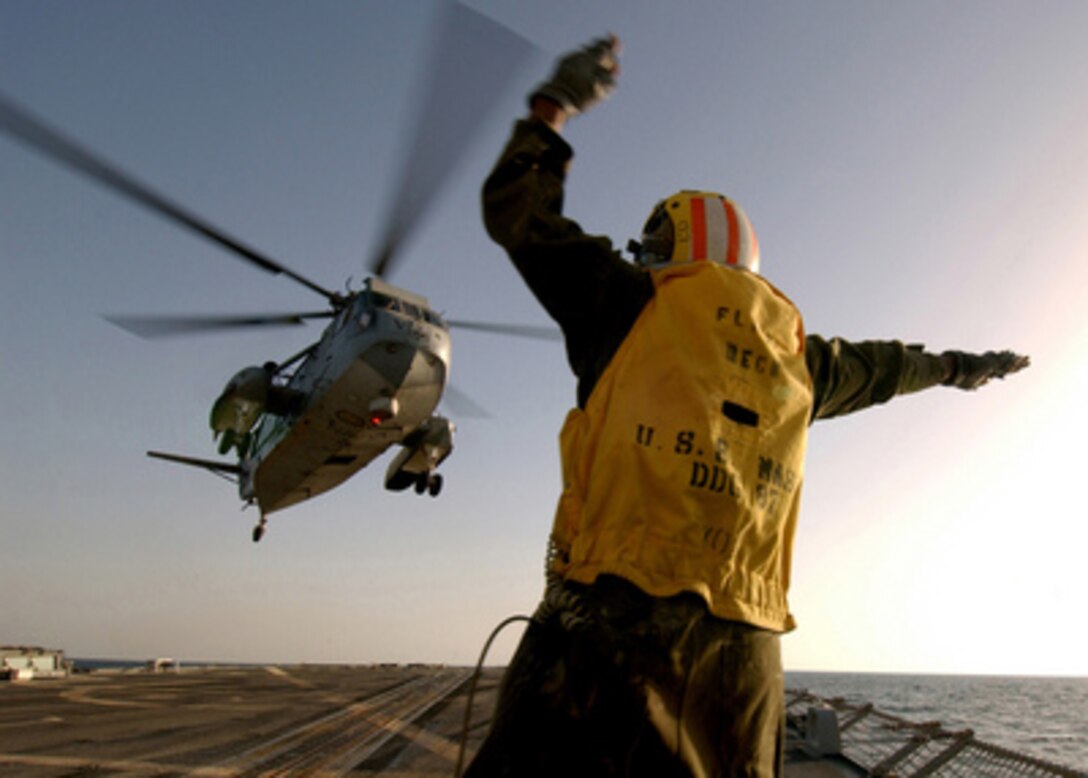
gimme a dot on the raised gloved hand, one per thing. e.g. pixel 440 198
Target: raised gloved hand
pixel 970 371
pixel 583 77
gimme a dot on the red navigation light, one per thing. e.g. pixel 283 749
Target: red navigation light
pixel 381 410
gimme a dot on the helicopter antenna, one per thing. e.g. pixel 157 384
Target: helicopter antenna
pixel 34 132
pixel 464 85
pixel 532 331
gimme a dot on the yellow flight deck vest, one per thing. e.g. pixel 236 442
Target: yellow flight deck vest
pixel 683 473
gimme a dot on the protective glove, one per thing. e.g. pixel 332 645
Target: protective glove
pixel 583 77
pixel 973 370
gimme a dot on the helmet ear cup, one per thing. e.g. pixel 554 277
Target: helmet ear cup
pixel 657 238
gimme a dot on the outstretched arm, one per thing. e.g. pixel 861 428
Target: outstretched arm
pixel 849 376
pixel 523 195
pixel 581 280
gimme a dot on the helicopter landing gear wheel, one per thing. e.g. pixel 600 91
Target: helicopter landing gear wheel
pixel 428 483
pixel 258 531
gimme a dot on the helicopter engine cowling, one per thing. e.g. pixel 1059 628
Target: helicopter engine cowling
pixel 420 455
pixel 242 401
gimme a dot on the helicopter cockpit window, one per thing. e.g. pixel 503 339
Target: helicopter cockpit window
pixel 385 302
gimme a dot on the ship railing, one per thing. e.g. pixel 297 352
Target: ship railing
pixel 888 746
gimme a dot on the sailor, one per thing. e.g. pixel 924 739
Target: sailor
pixel 655 650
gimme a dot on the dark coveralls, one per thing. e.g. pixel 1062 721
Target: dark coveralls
pixel 607 680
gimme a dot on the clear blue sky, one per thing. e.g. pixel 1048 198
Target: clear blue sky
pixel 914 170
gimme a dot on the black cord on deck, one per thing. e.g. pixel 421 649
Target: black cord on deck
pixel 472 687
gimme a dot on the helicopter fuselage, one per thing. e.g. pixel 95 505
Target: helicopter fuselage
pixel 378 371
pixel 373 380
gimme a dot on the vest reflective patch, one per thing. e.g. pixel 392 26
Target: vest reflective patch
pixel 684 470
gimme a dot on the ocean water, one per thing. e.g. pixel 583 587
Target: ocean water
pixel 1041 716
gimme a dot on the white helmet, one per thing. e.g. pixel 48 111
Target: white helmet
pixel 693 226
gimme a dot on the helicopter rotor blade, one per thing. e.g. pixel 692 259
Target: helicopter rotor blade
pixel 531 331
pixel 473 61
pixel 152 327
pixel 463 405
pixel 22 125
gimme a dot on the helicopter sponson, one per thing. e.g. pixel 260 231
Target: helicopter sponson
pixel 421 453
pixel 248 395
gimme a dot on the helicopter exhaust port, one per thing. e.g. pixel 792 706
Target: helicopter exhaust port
pixel 382 410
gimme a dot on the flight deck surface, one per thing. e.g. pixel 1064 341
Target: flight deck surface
pixel 238 721
pixel 220 722
pixel 388 720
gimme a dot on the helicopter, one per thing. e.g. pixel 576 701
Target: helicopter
pixel 374 378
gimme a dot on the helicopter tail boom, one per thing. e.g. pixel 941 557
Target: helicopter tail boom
pixel 219 468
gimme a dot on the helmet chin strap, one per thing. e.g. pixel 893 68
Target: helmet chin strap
pixel 647 258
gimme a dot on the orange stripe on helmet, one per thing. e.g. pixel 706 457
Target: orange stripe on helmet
pixel 698 229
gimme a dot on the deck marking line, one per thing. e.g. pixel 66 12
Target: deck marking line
pixel 82 763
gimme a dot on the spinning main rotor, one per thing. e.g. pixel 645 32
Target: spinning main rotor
pixel 472 62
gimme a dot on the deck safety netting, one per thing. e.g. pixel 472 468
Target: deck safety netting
pixel 888 746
